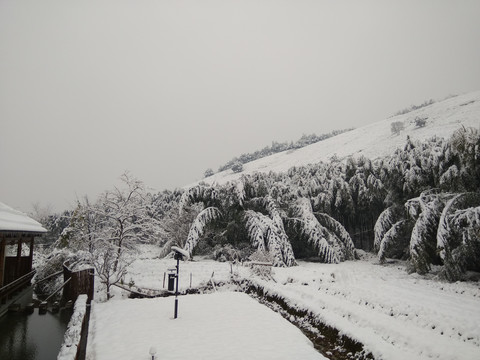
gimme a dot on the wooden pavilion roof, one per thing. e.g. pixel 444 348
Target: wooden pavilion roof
pixel 16 224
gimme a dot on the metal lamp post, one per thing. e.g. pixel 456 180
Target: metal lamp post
pixel 153 352
pixel 180 254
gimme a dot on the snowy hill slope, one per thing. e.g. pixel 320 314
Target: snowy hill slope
pixel 373 140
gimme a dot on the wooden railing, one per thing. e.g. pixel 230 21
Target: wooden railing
pixel 8 290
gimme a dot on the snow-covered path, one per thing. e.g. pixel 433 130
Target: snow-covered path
pixel 395 315
pixel 224 325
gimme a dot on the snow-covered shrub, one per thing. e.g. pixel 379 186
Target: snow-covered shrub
pixel 261 269
pixel 397 126
pixel 209 172
pixel 51 264
pixel 420 121
pixel 226 253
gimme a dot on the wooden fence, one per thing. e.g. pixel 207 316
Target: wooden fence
pixel 81 282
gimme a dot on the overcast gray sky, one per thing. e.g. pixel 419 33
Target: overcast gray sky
pixel 167 89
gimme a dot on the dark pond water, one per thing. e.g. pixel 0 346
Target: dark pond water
pixel 32 337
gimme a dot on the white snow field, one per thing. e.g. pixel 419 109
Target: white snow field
pixel 373 140
pixel 394 314
pixel 224 325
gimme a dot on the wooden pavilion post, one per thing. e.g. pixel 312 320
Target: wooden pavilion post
pixel 2 259
pixel 19 259
pixel 31 253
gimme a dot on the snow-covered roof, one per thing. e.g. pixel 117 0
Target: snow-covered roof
pixel 12 220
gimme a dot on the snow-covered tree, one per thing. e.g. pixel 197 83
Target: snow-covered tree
pixel 324 233
pixel 396 240
pixel 385 221
pixel 466 255
pixel 125 216
pixel 198 226
pixel 269 236
pixel 175 227
pixel 465 145
pixel 83 224
pixel 457 234
pixel 110 228
pixel 202 193
pixel 110 262
pixel 423 239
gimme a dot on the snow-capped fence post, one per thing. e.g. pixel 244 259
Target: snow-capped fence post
pixel 213 282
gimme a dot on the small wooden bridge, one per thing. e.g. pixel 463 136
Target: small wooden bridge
pixel 138 293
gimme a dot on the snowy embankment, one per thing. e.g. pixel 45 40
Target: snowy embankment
pixel 393 314
pixel 372 141
pixel 71 340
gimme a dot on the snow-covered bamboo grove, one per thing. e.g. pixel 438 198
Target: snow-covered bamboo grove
pixel 421 203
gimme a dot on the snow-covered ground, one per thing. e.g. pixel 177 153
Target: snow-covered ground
pixel 373 140
pixel 224 325
pixel 394 314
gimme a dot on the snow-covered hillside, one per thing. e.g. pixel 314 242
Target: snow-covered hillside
pixel 374 140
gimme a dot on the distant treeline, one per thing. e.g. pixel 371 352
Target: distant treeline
pixel 414 107
pixel 277 147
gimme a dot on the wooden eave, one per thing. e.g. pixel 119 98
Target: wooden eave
pixel 12 237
